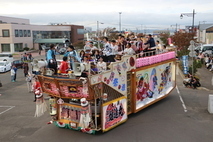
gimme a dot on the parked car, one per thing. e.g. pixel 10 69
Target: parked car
pixel 6 57
pixel 5 66
pixel 207 49
pixel 18 63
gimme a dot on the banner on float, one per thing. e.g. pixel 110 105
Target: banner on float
pixel 114 113
pixel 153 83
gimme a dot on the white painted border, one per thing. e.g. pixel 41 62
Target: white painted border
pixel 181 99
pixel 10 107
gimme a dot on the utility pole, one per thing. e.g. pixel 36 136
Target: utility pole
pixel 120 22
pixel 176 25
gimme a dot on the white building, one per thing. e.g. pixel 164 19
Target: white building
pixel 18 33
pixel 205 33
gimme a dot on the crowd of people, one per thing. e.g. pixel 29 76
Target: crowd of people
pixel 208 60
pixel 111 51
pixel 26 57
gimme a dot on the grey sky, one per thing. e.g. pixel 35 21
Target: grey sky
pixel 136 14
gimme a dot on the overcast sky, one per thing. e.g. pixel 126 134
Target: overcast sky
pixel 136 14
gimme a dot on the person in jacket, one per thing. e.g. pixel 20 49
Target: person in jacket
pixel 64 66
pixel 26 69
pixel 51 59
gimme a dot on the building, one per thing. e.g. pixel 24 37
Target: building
pixel 205 33
pixel 18 33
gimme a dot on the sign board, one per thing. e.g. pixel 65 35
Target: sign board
pixel 114 113
pixel 185 64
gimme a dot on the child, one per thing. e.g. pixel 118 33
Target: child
pixel 29 82
pixel 64 65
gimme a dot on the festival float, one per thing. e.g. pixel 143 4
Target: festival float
pixel 102 101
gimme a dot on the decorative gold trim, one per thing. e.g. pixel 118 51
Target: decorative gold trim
pixel 115 100
pixel 114 125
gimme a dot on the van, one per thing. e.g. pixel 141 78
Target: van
pixel 6 57
pixel 207 49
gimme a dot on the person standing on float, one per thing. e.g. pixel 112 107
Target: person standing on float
pixel 51 59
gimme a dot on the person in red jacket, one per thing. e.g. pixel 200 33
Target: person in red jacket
pixel 37 89
pixel 64 66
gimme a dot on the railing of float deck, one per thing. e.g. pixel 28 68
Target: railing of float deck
pixel 144 61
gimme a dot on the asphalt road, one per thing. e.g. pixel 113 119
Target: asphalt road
pixel 169 120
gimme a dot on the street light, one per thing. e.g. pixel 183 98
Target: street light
pixel 98 33
pixel 120 21
pixel 189 15
pixel 191 42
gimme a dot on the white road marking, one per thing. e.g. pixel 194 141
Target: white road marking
pixel 181 99
pixel 10 107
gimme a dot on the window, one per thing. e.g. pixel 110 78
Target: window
pixel 6 33
pixel 28 33
pixel 18 47
pixel 16 33
pixel 5 47
pixel 20 33
pixel 25 33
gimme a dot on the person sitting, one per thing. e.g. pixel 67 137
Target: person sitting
pixel 101 65
pixel 186 81
pixel 96 55
pixel 194 82
pixel 64 66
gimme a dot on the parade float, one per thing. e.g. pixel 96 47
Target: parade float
pixel 102 101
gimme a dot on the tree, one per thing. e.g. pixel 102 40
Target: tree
pixel 182 40
pixel 164 37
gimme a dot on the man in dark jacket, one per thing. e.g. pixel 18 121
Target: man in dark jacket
pixel 150 44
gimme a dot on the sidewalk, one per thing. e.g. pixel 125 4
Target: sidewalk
pixel 205 77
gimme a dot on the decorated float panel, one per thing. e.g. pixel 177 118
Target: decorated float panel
pixel 49 85
pixel 114 113
pixel 153 83
pixel 116 77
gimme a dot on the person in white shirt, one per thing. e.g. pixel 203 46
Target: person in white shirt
pixel 128 50
pixel 107 50
pixel 159 48
pixel 92 47
pixel 101 65
pixel 114 52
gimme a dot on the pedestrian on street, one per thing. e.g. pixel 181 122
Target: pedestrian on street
pixel 15 69
pixel 12 71
pixel 40 49
pixel 26 69
pixel 29 82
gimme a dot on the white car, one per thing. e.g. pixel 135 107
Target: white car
pixel 5 66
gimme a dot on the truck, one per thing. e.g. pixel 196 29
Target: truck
pixel 103 101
